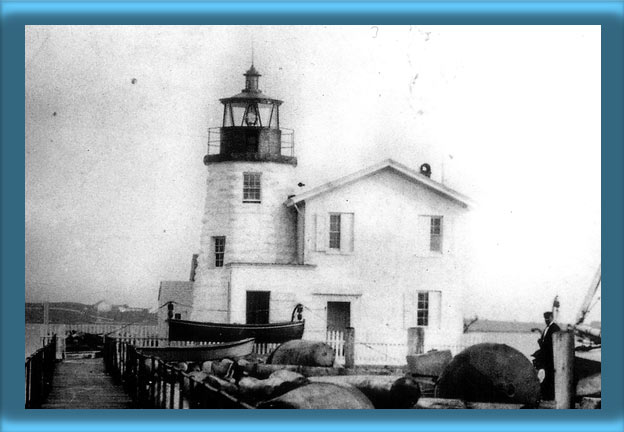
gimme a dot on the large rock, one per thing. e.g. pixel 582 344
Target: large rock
pixel 384 391
pixel 277 384
pixel 320 396
pixel 490 373
pixel 303 353
pixel 431 364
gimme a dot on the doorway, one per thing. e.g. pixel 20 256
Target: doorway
pixel 258 307
pixel 338 315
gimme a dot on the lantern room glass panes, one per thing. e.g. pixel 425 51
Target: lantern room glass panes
pixel 251 114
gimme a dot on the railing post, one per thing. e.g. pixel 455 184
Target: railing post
pixel 563 360
pixel 139 381
pixel 60 342
pixel 172 382
pixel 349 347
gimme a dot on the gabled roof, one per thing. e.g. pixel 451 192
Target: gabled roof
pixel 390 164
pixel 180 289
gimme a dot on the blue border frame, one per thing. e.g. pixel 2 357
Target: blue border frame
pixel 17 14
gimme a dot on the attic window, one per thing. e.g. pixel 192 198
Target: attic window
pixel 251 187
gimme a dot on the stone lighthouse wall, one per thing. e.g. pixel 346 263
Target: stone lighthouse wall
pixel 262 232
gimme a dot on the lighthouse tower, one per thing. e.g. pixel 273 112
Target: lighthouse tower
pixel 251 167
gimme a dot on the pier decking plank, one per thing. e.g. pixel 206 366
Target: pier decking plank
pixel 83 384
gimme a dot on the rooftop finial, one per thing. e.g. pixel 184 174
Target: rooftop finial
pixel 252 53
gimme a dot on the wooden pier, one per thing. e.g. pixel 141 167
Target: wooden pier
pixel 83 384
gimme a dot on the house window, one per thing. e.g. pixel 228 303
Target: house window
pixel 435 234
pixel 334 231
pixel 422 310
pixel 177 316
pixel 251 187
pixel 219 250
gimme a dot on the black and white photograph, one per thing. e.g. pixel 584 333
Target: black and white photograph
pixel 312 217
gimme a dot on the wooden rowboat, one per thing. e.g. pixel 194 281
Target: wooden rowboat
pixel 184 330
pixel 200 353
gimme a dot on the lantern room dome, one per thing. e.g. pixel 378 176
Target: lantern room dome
pixel 251 92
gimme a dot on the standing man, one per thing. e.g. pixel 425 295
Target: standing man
pixel 546 356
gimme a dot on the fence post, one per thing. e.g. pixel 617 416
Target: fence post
pixel 563 359
pixel 349 347
pixel 415 340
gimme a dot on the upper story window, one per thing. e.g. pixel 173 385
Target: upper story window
pixel 334 231
pixel 219 250
pixel 251 188
pixel 435 234
pixel 422 311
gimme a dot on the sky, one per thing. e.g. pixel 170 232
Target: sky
pixel 117 124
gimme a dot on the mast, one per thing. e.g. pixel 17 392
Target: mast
pixel 590 295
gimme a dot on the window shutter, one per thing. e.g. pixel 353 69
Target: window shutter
pixel 321 232
pixel 423 232
pixel 346 232
pixel 448 235
pixel 435 309
pixel 410 307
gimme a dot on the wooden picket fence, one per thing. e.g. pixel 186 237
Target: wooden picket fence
pixel 378 353
pixel 46 331
pixel 137 335
pixel 365 352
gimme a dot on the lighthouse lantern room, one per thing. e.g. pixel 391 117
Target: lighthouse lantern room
pixel 251 127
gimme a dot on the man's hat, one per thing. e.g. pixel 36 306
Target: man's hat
pixel 548 314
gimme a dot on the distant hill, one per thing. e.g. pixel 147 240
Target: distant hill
pixel 79 313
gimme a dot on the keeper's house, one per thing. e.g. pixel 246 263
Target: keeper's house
pixel 379 250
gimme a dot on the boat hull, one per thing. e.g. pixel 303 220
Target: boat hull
pixel 220 332
pixel 201 353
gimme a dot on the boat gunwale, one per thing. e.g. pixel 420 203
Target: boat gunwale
pixel 209 346
pixel 268 326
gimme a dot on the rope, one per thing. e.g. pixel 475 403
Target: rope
pixel 359 343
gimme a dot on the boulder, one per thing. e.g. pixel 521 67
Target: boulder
pixel 490 372
pixel 320 396
pixel 303 353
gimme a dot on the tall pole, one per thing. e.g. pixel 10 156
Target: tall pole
pixel 563 359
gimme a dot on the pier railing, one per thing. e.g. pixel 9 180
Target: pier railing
pixel 153 383
pixel 39 370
